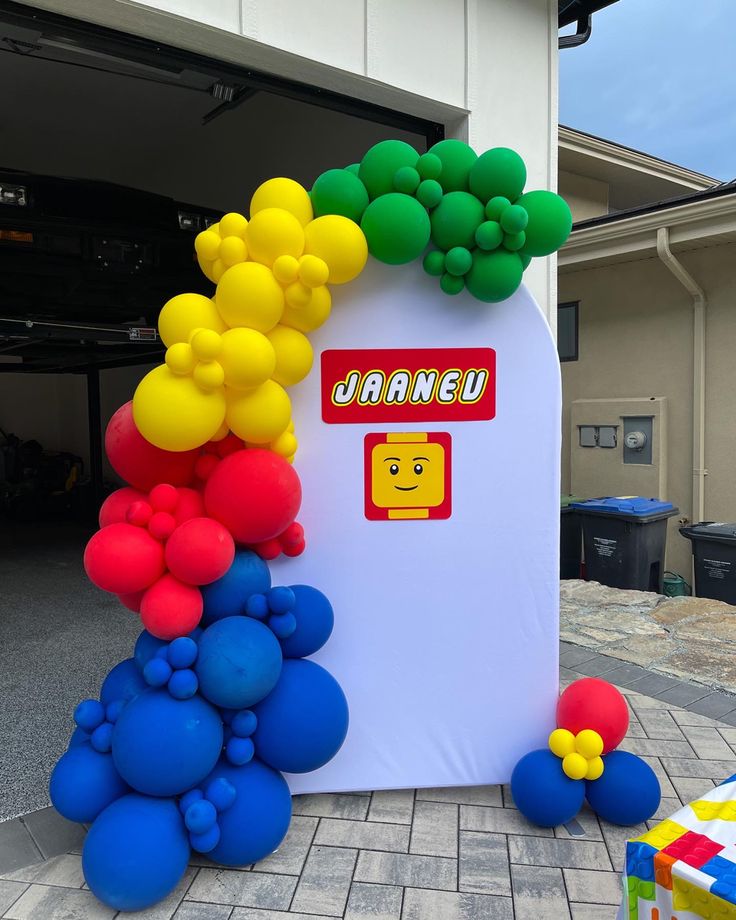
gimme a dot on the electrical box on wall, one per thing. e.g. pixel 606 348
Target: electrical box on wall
pixel 638 438
pixel 598 435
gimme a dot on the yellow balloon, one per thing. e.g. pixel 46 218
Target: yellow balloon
pixel 180 359
pixel 218 269
pixel 575 766
pixel 249 295
pixel 260 415
pixel 298 295
pixel 207 245
pixel 233 250
pixel 311 317
pixel 286 194
pixel 313 271
pixel 247 357
pixel 274 232
pixel 589 743
pixel 222 432
pixel 181 315
pixel 340 242
pixel 173 413
pixel 285 445
pixel 294 356
pixel 209 375
pixel 206 268
pixel 206 344
pixel 562 742
pixel 286 269
pixel 595 768
pixel 232 224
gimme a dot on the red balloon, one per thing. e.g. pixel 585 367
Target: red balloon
pixel 170 608
pixel 200 551
pixel 594 703
pixel 191 505
pixel 115 505
pixel 268 550
pixel 140 463
pixel 132 601
pixel 164 497
pixel 123 559
pixel 255 493
pixel 162 525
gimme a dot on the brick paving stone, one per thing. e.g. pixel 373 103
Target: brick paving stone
pixel 574 655
pixel 539 894
pixel 423 904
pixel 625 674
pixel 52 834
pixel 64 871
pixel 683 694
pixel 690 788
pixel 659 725
pixel 247 913
pixel 290 856
pixel 332 805
pixel 394 806
pixel 616 837
pixel 194 910
pixel 708 769
pixel 667 807
pixel 463 795
pixel 164 909
pixel 363 835
pixel 17 847
pixel 407 870
pixel 593 887
pixel 658 748
pixel 685 717
pixel 652 684
pixel 9 894
pixel 597 666
pixel 728 717
pixel 708 743
pixel 374 902
pixel 484 863
pixel 665 784
pixel 587 821
pixel 325 882
pixel 435 827
pixel 557 853
pixel 42 902
pixel 498 821
pixel 245 889
pixel 593 912
pixel 714 705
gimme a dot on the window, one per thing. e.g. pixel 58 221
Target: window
pixel 567 331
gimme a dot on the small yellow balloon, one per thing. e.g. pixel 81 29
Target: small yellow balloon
pixel 233 250
pixel 294 355
pixel 218 269
pixel 575 766
pixel 313 271
pixel 181 315
pixel 173 413
pixel 206 268
pixel 207 245
pixel 595 768
pixel 589 743
pixel 562 742
pixel 222 432
pixel 340 243
pixel 232 224
pixel 285 445
pixel 249 295
pixel 180 359
pixel 247 358
pixel 298 295
pixel 312 316
pixel 274 232
pixel 286 194
pixel 286 269
pixel 261 415
pixel 206 344
pixel 209 375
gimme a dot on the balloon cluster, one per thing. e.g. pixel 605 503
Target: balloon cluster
pixel 550 784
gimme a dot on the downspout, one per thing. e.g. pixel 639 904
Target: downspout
pixel 699 304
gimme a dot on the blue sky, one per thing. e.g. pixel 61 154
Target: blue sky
pixel 660 76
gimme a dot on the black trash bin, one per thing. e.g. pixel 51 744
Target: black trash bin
pixel 571 538
pixel 624 541
pixel 714 549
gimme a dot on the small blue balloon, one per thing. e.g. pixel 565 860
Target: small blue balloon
pixel 84 782
pixel 136 852
pixel 239 751
pixel 183 684
pixel 258 819
pixel 302 723
pixel 627 793
pixel 281 599
pixel 79 736
pixel 182 652
pixel 244 723
pixel 146 647
pixel 283 625
pixel 207 841
pixel 257 606
pixel 163 746
pixel 157 672
pixel 226 597
pixel 200 816
pixel 101 739
pixel 122 683
pixel 189 798
pixel 89 714
pixel 113 710
pixel 542 792
pixel 221 793
pixel 239 662
pixel 314 622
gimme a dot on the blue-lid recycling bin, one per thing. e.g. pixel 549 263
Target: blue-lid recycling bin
pixel 624 540
pixel 571 537
pixel 714 549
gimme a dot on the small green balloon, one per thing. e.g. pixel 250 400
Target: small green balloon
pixel 451 284
pixel 381 163
pixel 494 275
pixel 434 262
pixel 406 180
pixel 457 160
pixel 514 241
pixel 496 206
pixel 429 193
pixel 455 220
pixel 354 168
pixel 514 219
pixel 396 228
pixel 429 166
pixel 550 222
pixel 338 191
pixel 499 171
pixel 489 235
pixel 458 261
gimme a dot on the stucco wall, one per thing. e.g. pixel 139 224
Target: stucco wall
pixel 587 197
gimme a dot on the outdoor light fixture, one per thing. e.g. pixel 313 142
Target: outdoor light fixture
pixel 16 195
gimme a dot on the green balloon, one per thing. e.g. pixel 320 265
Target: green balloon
pixel 494 275
pixel 496 206
pixel 396 227
pixel 499 171
pixel 489 235
pixel 434 262
pixel 429 193
pixel 525 259
pixel 458 261
pixel 451 284
pixel 354 168
pixel 514 219
pixel 550 222
pixel 455 220
pixel 338 191
pixel 514 241
pixel 406 180
pixel 457 159
pixel 381 163
pixel 429 166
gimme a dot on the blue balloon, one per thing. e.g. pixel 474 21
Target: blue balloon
pixel 239 662
pixel 627 793
pixel 303 722
pixel 124 682
pixel 79 736
pixel 256 823
pixel 164 746
pixel 542 792
pixel 314 622
pixel 136 852
pixel 146 647
pixel 226 597
pixel 84 782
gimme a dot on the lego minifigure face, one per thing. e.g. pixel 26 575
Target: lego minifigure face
pixel 408 475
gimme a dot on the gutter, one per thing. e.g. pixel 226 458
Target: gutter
pixel 699 307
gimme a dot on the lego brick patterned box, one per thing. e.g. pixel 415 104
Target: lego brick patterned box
pixel 685 867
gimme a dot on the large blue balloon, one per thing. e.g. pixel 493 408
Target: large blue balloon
pixel 146 647
pixel 542 792
pixel 303 722
pixel 136 852
pixel 628 791
pixel 123 683
pixel 314 622
pixel 239 662
pixel 84 782
pixel 164 746
pixel 258 820
pixel 226 597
